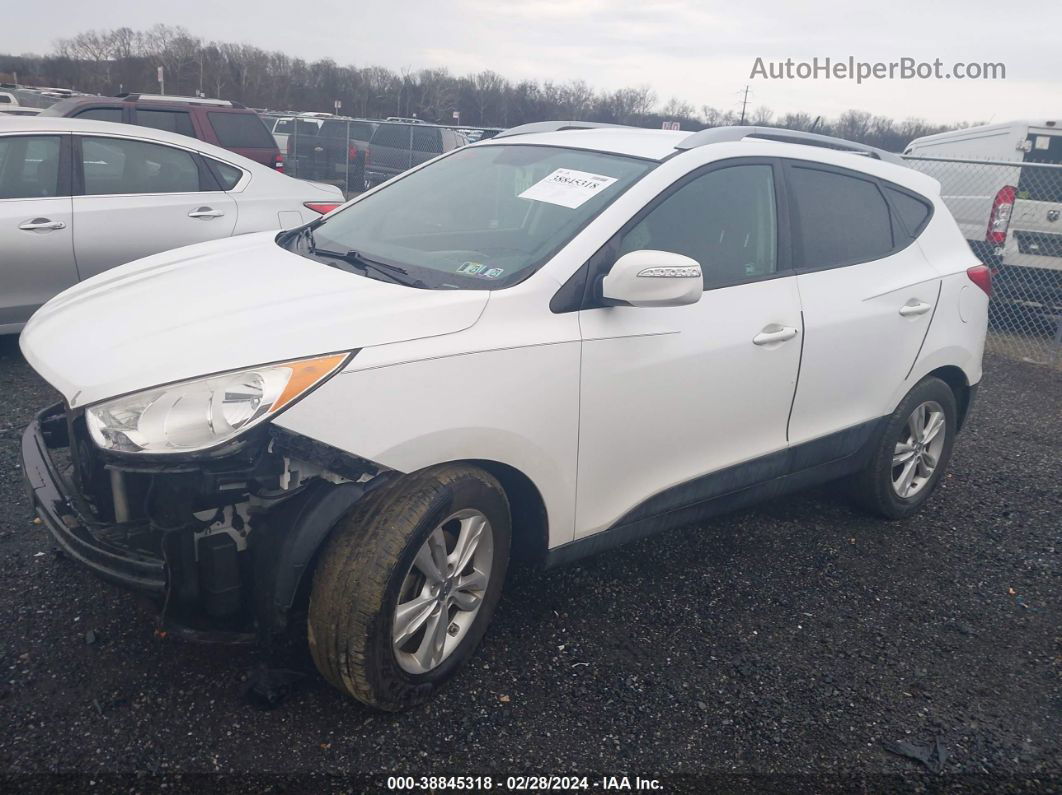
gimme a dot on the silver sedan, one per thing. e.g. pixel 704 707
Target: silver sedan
pixel 78 197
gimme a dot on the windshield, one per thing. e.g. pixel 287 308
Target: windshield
pixel 484 217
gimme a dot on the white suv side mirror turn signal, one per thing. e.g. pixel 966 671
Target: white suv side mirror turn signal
pixel 654 278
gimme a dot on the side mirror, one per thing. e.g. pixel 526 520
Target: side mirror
pixel 654 278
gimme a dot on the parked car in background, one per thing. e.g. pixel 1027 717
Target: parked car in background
pixel 78 197
pixel 397 147
pixel 1010 215
pixel 18 110
pixel 7 99
pixel 280 127
pixel 474 134
pixel 283 125
pixel 553 342
pixel 39 97
pixel 332 150
pixel 229 125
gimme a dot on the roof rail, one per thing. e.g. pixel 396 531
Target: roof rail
pixel 716 135
pixel 137 97
pixel 553 126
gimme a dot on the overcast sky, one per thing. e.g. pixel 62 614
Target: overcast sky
pixel 702 52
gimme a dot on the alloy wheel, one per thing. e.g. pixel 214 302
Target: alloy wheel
pixel 442 591
pixel 917 453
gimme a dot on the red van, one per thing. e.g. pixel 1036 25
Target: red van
pixel 229 125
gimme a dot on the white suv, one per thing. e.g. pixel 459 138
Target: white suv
pixel 543 344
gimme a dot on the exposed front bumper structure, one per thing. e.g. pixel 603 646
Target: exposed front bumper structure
pixel 68 524
pixel 225 544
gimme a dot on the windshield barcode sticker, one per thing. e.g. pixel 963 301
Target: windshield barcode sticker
pixel 567 187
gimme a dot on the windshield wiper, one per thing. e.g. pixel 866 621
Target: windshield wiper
pixel 393 272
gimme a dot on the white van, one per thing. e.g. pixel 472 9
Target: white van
pixel 1010 215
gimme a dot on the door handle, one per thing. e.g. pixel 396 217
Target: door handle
pixel 41 225
pixel 915 307
pixel 205 212
pixel 774 333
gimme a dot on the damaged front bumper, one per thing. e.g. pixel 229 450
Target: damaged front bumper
pixel 222 544
pixel 68 525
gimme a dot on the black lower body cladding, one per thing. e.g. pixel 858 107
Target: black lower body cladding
pixel 152 528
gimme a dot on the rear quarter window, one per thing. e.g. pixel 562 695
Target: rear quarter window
pixel 913 213
pixel 241 131
pixel 228 176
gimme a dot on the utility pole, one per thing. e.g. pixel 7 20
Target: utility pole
pixel 744 104
pixel 162 81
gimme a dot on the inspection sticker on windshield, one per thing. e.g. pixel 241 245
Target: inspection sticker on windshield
pixel 567 187
pixel 479 269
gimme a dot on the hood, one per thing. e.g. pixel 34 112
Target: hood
pixel 219 306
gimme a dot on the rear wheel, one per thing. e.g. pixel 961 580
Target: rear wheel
pixel 912 454
pixel 406 587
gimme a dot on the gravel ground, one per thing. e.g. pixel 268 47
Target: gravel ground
pixel 801 638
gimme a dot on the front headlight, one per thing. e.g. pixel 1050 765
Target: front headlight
pixel 196 415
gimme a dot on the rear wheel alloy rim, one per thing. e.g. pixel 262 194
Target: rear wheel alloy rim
pixel 443 591
pixel 917 455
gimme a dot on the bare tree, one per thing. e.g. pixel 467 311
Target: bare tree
pixel 105 61
pixel 678 109
pixel 761 116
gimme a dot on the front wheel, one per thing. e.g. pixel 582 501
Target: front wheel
pixel 407 585
pixel 912 454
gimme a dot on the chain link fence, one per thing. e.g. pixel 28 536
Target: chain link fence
pixel 1011 215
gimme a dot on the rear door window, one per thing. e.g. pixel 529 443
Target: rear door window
pixel 839 219
pixel 241 131
pixel 120 166
pixel 176 121
pixel 29 167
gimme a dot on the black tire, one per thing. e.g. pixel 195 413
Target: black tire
pixel 872 488
pixel 357 582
